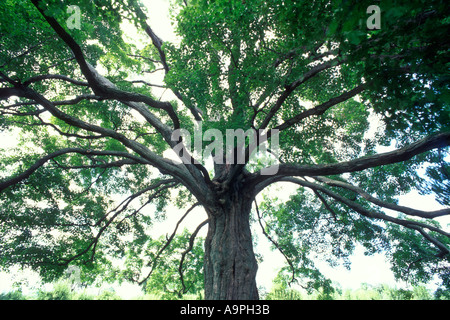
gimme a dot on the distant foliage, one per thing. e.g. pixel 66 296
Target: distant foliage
pixel 62 291
pixel 365 292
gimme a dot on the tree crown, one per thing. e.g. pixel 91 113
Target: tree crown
pixel 92 125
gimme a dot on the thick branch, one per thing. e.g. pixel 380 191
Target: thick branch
pixel 318 110
pixel 197 170
pixel 439 140
pixel 164 165
pixel 187 174
pixel 6 93
pixel 384 204
pixel 39 163
pixel 78 53
pixel 98 84
pixel 162 128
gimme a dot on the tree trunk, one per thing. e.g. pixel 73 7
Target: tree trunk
pixel 230 263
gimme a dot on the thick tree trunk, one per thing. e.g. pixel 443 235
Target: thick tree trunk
pixel 230 263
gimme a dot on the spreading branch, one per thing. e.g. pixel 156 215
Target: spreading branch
pixel 54 76
pixel 320 109
pixel 416 225
pixel 294 85
pixel 435 141
pixel 39 163
pixel 98 84
pixel 384 204
pixel 164 165
pixel 93 244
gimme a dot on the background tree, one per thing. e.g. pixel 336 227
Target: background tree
pixel 92 137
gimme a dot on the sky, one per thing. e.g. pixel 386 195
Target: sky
pixel 365 269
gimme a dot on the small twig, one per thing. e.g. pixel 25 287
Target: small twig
pixel 325 203
pixel 148 84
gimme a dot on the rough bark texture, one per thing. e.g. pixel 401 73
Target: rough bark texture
pixel 230 263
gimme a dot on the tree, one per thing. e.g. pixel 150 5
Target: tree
pixel 305 77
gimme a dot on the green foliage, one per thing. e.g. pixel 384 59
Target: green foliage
pixel 12 295
pixel 283 294
pixel 414 259
pixel 384 292
pixel 234 60
pixel 365 292
pixel 108 295
pixel 60 292
pixel 164 282
pixel 307 230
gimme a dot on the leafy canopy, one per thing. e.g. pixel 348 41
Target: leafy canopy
pixel 311 69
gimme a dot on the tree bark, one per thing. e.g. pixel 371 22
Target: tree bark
pixel 230 263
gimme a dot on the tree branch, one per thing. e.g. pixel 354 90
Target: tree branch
pixel 186 173
pixel 164 165
pixel 294 85
pixel 114 164
pixel 145 58
pixel 147 83
pixel 65 134
pixel 39 163
pixel 162 128
pixel 126 202
pixel 325 203
pixel 149 200
pixel 56 103
pixel 373 214
pixel 320 109
pixel 435 141
pixel 6 93
pixel 99 84
pixel 391 206
pixel 158 43
pixel 94 242
pixel 55 76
